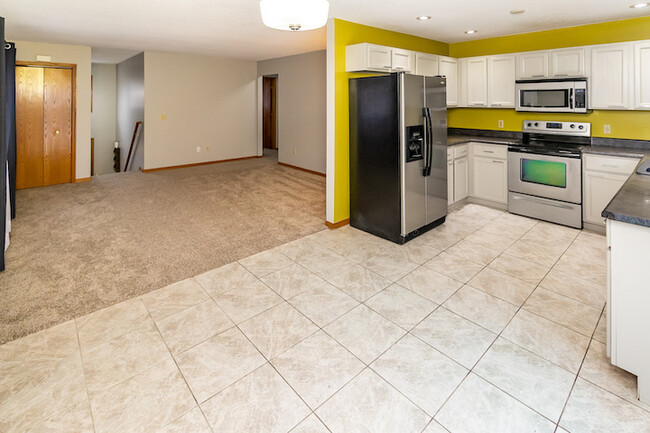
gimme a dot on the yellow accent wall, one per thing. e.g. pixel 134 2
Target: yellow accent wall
pixel 603 33
pixel 347 33
pixel 624 124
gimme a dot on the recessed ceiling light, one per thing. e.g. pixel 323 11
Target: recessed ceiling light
pixel 471 32
pixel 517 11
pixel 638 5
pixel 423 18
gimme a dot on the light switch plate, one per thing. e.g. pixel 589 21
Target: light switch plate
pixel 607 129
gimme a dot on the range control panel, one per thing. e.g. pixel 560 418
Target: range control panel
pixel 581 129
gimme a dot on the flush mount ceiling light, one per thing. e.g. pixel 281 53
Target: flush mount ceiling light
pixel 423 18
pixel 294 15
pixel 470 32
pixel 517 11
pixel 638 5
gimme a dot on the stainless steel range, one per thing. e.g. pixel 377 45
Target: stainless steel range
pixel 545 171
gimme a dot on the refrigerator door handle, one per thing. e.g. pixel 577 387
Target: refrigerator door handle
pixel 427 139
pixel 429 142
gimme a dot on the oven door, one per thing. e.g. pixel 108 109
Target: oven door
pixel 548 97
pixel 548 176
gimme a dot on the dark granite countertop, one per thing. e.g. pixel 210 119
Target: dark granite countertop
pixel 631 204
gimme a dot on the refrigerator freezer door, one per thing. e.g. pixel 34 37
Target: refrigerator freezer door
pixel 375 156
pixel 413 182
pixel 436 182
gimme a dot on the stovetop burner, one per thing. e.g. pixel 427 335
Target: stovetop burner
pixel 554 138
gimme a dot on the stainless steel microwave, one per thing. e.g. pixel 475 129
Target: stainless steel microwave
pixel 552 95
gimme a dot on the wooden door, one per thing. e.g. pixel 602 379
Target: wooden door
pixel 29 127
pixel 269 112
pixel 44 109
pixel 57 118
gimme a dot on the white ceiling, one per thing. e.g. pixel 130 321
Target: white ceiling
pixel 234 28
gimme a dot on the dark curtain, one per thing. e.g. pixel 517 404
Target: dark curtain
pixel 10 79
pixel 3 150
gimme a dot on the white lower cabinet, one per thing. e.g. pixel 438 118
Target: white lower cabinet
pixel 450 182
pixel 603 176
pixel 457 173
pixel 489 172
pixel 461 179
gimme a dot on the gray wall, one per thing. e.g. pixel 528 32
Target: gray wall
pixel 130 107
pixel 104 116
pixel 197 101
pixel 301 92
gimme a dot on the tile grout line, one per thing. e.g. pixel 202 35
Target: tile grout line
pixel 83 372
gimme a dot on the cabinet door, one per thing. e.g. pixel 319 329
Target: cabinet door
pixel 426 64
pixel 461 179
pixel 448 67
pixel 568 63
pixel 378 57
pixel 599 190
pixel 450 182
pixel 476 81
pixel 402 60
pixel 610 80
pixel 490 179
pixel 642 76
pixel 501 81
pixel 532 65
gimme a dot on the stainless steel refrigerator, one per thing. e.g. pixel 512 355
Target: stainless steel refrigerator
pixel 398 155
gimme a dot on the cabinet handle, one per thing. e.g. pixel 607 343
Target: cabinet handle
pixel 610 165
pixel 488 151
pixel 498 161
pixel 561 75
pixel 615 106
pixel 538 76
pixel 477 104
pixel 386 67
pixel 398 68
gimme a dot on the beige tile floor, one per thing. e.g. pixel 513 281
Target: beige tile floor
pixel 489 323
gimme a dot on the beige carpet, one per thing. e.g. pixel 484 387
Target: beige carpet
pixel 77 248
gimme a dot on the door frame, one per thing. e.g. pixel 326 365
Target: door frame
pixel 73 143
pixel 260 112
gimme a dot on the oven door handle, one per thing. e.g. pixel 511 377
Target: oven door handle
pixel 571 99
pixel 544 202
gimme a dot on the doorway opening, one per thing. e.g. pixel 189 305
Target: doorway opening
pixel 270 115
pixel 45 124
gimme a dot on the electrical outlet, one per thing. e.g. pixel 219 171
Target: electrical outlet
pixel 198 149
pixel 607 129
pixel 163 116
pixel 501 123
pixel 294 151
pixel 207 148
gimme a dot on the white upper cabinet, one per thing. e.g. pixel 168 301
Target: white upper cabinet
pixel 642 76
pixel 426 64
pixel 448 67
pixel 367 57
pixel 501 81
pixel 533 65
pixel 610 76
pixel 568 63
pixel 402 60
pixel 475 81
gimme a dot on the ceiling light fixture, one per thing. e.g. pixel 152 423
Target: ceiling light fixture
pixel 638 5
pixel 517 11
pixel 423 18
pixel 294 15
pixel 471 32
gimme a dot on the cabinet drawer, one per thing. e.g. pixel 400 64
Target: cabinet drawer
pixel 611 164
pixel 490 150
pixel 461 150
